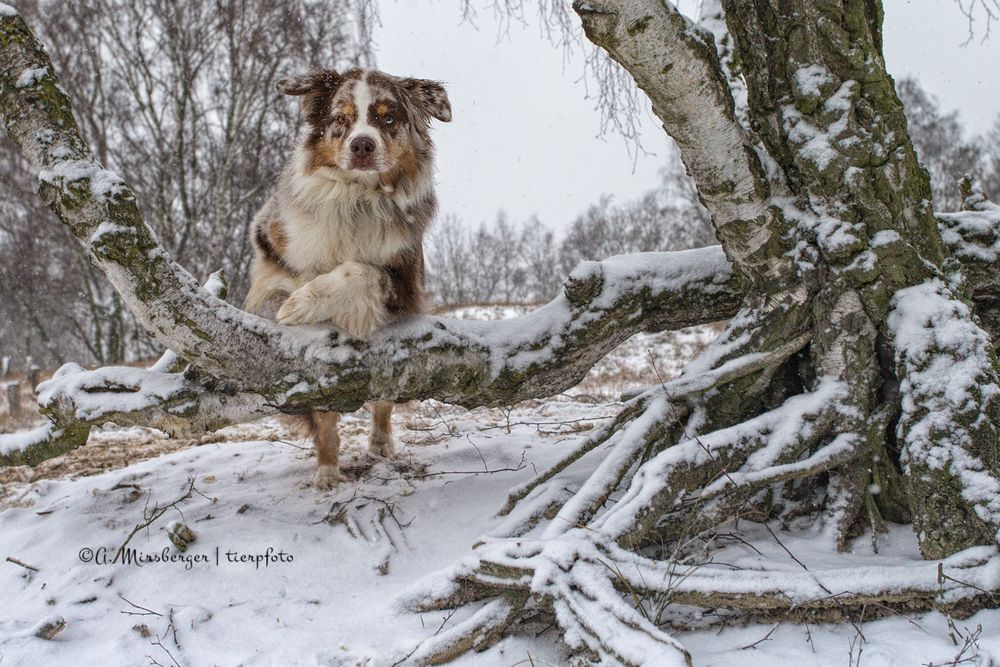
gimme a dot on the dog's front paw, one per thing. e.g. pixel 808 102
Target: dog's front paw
pixel 326 477
pixel 303 306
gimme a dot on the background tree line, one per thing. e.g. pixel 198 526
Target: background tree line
pixel 503 261
pixel 170 96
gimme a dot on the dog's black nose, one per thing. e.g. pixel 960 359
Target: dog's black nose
pixel 363 146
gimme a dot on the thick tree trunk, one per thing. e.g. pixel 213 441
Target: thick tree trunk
pixel 873 387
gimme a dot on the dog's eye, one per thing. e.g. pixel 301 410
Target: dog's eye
pixel 389 120
pixel 341 119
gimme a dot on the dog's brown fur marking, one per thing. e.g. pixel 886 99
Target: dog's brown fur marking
pixel 406 281
pixel 270 248
pixel 278 237
pixel 323 427
pixel 325 152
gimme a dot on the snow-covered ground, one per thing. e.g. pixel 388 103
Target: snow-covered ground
pixel 280 574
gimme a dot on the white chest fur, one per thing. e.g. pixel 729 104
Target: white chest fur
pixel 330 222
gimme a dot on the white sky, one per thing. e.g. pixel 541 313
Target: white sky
pixel 525 137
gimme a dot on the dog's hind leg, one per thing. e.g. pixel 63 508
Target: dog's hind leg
pixel 380 441
pixel 323 428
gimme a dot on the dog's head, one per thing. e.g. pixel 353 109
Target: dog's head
pixel 367 121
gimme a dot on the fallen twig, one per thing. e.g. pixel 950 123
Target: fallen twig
pixel 520 466
pixel 763 639
pixel 942 577
pixel 144 612
pixel 154 515
pixel 15 561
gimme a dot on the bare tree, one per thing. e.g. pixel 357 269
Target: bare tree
pixel 987 11
pixel 447 260
pixel 502 262
pixel 170 95
pixel 538 254
pixel 939 139
pixel 491 263
pixel 853 385
pixel 668 218
pixel 991 159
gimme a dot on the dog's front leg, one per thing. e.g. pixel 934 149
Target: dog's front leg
pixel 352 297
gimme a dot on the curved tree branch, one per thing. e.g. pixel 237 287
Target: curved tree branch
pixel 675 63
pixel 468 363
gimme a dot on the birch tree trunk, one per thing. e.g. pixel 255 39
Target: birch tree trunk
pixel 872 386
pixel 854 384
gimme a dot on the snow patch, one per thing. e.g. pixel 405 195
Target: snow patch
pixel 946 359
pixel 832 233
pixel 138 388
pixel 11 443
pixel 817 143
pixel 885 237
pixel 973 234
pixel 811 78
pixel 103 183
pixel 106 229
pixel 30 76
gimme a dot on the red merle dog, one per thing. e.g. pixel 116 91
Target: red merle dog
pixel 340 240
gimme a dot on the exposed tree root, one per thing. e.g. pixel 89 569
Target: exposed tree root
pixel 636 406
pixel 478 633
pixel 670 478
pixel 945 585
pixel 679 395
pixel 585 579
pixel 703 466
pixel 950 424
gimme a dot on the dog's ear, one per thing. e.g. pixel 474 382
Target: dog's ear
pixel 316 90
pixel 428 96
